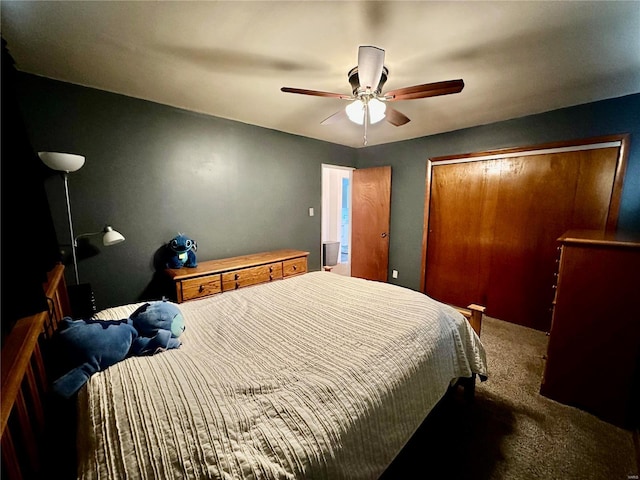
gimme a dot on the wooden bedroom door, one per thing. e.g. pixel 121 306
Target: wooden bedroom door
pixel 370 216
pixel 493 220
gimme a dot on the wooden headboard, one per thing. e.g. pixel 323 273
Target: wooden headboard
pixel 25 387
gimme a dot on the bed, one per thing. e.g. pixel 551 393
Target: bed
pixel 315 376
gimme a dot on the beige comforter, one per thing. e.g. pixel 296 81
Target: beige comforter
pixel 314 377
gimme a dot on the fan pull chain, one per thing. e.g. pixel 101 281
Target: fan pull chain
pixel 366 121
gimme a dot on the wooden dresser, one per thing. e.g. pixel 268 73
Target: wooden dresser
pixel 216 276
pixel 593 356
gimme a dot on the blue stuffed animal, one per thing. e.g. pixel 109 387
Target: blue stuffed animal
pixel 159 324
pixel 182 252
pixel 94 345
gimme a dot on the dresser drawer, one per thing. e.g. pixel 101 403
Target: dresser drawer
pixel 251 276
pixel 294 266
pixel 199 287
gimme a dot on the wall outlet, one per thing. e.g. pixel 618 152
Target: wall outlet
pixel 394 274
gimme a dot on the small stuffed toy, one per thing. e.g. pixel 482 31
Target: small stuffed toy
pixel 94 345
pixel 182 252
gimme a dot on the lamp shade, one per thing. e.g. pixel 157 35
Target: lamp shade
pixel 355 111
pixel 376 110
pixel 63 162
pixel 111 237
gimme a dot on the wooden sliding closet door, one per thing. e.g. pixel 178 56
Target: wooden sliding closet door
pixel 492 224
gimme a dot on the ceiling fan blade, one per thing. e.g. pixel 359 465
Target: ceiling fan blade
pixel 426 90
pixel 339 116
pixel 394 117
pixel 316 93
pixel 370 63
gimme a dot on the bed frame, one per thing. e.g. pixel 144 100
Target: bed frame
pixel 26 399
pixel 473 313
pixel 25 388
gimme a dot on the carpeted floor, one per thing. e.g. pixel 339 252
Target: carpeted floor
pixel 511 432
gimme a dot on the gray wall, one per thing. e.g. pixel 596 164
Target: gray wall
pixel 152 171
pixel 408 162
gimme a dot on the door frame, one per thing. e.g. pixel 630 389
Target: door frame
pixel 325 167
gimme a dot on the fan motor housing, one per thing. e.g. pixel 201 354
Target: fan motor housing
pixel 354 80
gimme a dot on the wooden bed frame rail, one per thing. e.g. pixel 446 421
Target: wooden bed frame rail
pixel 473 313
pixel 25 385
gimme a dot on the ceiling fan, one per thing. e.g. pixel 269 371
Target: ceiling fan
pixel 368 102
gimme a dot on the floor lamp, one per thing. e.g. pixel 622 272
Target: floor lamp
pixel 67 163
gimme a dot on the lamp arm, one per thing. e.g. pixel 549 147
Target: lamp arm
pixel 75 240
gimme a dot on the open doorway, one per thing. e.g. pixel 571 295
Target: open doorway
pixel 336 219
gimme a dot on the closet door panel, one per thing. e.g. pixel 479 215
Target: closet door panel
pixel 536 201
pixel 594 188
pixel 460 241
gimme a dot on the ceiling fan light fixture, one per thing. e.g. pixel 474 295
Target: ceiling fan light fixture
pixel 355 112
pixel 376 110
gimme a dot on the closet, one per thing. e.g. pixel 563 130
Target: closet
pixel 492 220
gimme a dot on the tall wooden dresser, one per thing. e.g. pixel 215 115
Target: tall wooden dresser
pixel 593 356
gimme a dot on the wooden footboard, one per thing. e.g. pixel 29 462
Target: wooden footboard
pixel 25 386
pixel 473 313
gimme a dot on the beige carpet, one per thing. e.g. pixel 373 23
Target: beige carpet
pixel 509 431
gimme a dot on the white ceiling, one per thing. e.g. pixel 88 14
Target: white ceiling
pixel 230 58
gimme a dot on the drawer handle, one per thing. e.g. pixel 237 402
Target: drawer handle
pixel 270 277
pixel 237 276
pixel 201 288
pixel 270 269
pixel 237 285
pixel 295 268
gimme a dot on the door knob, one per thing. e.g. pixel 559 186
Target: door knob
pixel 383 234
